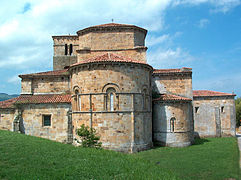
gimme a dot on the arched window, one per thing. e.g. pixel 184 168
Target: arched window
pixel 172 124
pixel 70 49
pixel 77 100
pixel 110 99
pixel 145 99
pixel 65 49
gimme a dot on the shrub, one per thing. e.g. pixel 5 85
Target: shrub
pixel 88 137
pixel 238 111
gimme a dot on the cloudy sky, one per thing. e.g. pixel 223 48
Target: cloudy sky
pixel 202 34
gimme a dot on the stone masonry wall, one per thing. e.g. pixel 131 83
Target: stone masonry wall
pixel 60 41
pixel 26 86
pixel 6 119
pixel 138 54
pixel 128 43
pixel 128 127
pixel 173 84
pixel 46 85
pixel 178 133
pixel 61 62
pixel 33 121
pixel 214 116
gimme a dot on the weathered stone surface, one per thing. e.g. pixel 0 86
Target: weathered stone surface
pixel 6 119
pixel 114 96
pixel 176 133
pixel 46 85
pixel 173 83
pixel 128 127
pixel 215 116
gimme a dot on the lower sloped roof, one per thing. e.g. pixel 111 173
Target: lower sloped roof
pixel 208 93
pixel 171 97
pixel 36 99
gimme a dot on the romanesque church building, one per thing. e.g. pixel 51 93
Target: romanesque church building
pixel 101 78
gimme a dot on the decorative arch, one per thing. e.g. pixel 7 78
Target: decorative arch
pixel 111 97
pixel 111 85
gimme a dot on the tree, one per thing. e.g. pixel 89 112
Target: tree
pixel 88 137
pixel 238 111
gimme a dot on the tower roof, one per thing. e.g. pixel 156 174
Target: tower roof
pixel 110 27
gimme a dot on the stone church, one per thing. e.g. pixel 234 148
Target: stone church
pixel 101 78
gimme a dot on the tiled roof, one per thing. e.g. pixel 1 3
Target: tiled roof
pixel 110 57
pixel 63 72
pixel 110 26
pixel 8 104
pixel 164 71
pixel 207 93
pixel 171 97
pixel 43 99
pixel 36 99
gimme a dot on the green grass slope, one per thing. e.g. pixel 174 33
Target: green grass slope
pixel 211 158
pixel 26 157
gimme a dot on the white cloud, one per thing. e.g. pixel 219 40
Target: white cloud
pixel 170 58
pixel 203 23
pixel 14 79
pixel 25 34
pixel 218 5
pixel 223 83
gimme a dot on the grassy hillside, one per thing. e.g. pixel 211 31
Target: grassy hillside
pixel 26 157
pixel 4 96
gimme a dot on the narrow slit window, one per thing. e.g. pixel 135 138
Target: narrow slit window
pixel 70 49
pixel 110 99
pixel 77 98
pixel 65 49
pixel 111 102
pixel 196 109
pixel 79 102
pixel 145 99
pixel 172 124
pixel 222 109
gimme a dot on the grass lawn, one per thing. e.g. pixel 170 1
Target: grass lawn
pixel 26 157
pixel 211 158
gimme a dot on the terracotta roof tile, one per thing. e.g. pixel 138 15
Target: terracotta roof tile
pixel 164 71
pixel 43 99
pixel 110 57
pixel 171 97
pixel 36 99
pixel 63 72
pixel 8 104
pixel 207 93
pixel 111 26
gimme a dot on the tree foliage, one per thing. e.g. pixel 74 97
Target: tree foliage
pixel 238 111
pixel 88 137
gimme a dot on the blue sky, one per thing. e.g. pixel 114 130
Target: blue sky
pixel 202 34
